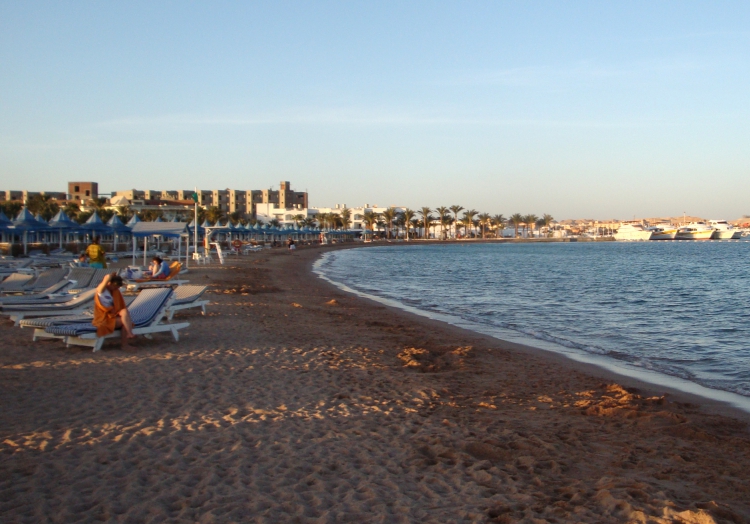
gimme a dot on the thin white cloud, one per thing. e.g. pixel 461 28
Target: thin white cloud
pixel 344 117
pixel 582 72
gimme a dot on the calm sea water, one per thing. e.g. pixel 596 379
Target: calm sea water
pixel 677 308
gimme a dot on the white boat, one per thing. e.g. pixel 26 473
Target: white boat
pixel 723 230
pixel 632 232
pixel 695 231
pixel 662 232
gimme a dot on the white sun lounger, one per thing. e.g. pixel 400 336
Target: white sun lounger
pixel 187 297
pixel 76 304
pixel 147 312
pixel 51 295
pixel 15 283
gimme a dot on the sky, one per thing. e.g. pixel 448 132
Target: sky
pixel 577 109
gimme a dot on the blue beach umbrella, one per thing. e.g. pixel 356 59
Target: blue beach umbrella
pixel 62 223
pixel 24 223
pixel 133 221
pixel 94 226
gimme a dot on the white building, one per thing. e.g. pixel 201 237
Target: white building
pixel 267 212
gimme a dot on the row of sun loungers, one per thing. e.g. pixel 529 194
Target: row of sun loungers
pixel 58 303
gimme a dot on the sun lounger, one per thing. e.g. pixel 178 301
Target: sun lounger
pixel 51 295
pixel 187 297
pixel 40 324
pixel 82 275
pixel 46 279
pixel 15 283
pixel 146 311
pixel 174 270
pixel 75 304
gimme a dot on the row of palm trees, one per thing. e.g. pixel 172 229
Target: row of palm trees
pixel 472 222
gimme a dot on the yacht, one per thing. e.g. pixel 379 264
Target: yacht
pixel 695 231
pixel 632 232
pixel 723 230
pixel 662 232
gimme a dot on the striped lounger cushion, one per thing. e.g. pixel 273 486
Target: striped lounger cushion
pixel 142 311
pixel 45 322
pixel 187 294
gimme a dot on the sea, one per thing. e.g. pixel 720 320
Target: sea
pixel 674 313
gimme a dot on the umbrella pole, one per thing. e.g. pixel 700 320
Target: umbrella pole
pixel 133 249
pixel 145 246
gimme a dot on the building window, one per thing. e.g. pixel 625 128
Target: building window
pixel 88 193
pixel 76 189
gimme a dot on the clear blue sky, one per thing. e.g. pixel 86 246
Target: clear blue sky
pixel 577 109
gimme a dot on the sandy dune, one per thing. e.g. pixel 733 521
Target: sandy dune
pixel 293 402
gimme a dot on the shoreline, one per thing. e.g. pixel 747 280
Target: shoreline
pixel 720 401
pixel 293 401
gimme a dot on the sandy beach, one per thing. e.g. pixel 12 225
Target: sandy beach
pixel 292 401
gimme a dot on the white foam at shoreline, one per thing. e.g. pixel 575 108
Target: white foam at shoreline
pixel 621 368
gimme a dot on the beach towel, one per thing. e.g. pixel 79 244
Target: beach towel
pixel 105 317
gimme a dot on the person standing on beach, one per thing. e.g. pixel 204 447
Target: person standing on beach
pixel 292 246
pixel 110 312
pixel 96 255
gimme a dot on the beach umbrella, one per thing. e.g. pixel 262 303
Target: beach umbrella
pixel 25 222
pixel 158 219
pixel 95 227
pixel 118 227
pixel 62 222
pixel 6 226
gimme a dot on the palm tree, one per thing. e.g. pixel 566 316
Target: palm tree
pixel 298 218
pixel 71 209
pixel 213 214
pixel 388 216
pixel 530 220
pixel 484 221
pixel 415 224
pixel 498 221
pixel 346 217
pixel 125 212
pixel 425 212
pixel 468 219
pixel 546 221
pixel 370 219
pixel 275 223
pixel 456 210
pixel 516 219
pixel 41 204
pixel 445 223
pixel 408 215
pixel 442 212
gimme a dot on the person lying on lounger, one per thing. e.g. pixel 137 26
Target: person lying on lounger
pixel 159 269
pixel 110 312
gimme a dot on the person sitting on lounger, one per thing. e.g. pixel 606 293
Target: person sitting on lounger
pixel 159 269
pixel 110 312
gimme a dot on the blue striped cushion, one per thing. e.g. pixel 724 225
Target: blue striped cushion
pixel 71 330
pixel 44 322
pixel 187 294
pixel 147 304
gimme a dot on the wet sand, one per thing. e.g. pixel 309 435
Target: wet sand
pixel 295 402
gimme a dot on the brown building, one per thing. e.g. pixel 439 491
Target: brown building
pixel 83 191
pixel 227 200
